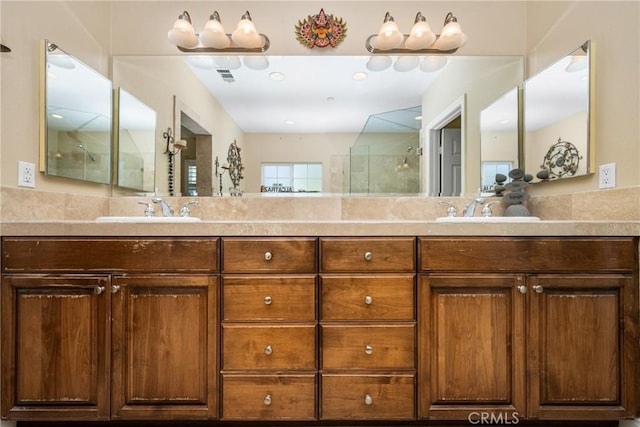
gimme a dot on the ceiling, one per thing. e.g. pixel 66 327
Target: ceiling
pixel 317 95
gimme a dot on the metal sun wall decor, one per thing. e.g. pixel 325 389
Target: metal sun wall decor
pixel 321 30
pixel 563 158
pixel 235 168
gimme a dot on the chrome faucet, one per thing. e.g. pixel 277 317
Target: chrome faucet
pixel 166 209
pixel 470 209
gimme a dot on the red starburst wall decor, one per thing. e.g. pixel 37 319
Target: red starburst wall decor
pixel 321 30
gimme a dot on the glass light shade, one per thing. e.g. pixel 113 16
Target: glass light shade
pixel 201 61
pixel 229 62
pixel 378 63
pixel 451 37
pixel 389 36
pixel 421 36
pixel 256 62
pixel 433 63
pixel 182 34
pixel 245 34
pixel 214 35
pixel 406 63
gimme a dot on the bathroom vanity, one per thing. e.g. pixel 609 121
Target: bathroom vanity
pixel 405 329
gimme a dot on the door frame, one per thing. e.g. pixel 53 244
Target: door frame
pixel 432 133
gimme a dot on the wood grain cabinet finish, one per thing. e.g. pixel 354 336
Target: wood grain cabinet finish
pixel 91 336
pixel 368 328
pixel 269 329
pixel 528 328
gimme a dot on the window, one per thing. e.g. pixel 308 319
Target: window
pixel 489 171
pixel 292 177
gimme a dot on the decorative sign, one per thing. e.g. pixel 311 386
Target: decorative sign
pixel 321 30
pixel 277 188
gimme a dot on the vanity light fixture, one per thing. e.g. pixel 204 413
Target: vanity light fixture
pixel 420 40
pixel 212 39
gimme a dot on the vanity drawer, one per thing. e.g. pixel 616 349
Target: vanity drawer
pixel 528 254
pixel 268 397
pixel 360 297
pixel 390 346
pixel 273 254
pixel 268 347
pixel 80 254
pixel 269 298
pixel 383 254
pixel 379 397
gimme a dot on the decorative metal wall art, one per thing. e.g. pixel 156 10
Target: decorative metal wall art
pixel 321 30
pixel 235 168
pixel 562 159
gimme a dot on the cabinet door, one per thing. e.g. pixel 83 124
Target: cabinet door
pixel 55 347
pixel 164 347
pixel 471 346
pixel 581 341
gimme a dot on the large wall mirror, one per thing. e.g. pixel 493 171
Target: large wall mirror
pixel 298 110
pixel 500 138
pixel 75 118
pixel 134 143
pixel 558 117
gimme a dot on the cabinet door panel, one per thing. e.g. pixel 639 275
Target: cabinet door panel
pixel 164 353
pixel 55 347
pixel 578 349
pixel 471 331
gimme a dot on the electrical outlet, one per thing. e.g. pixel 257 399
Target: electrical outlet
pixel 26 174
pixel 607 175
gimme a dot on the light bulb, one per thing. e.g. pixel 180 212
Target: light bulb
pixel 245 34
pixel 182 33
pixel 213 34
pixel 389 36
pixel 421 36
pixel 452 36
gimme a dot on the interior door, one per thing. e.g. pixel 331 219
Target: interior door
pixel 450 162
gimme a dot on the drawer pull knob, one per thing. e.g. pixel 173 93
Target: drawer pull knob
pixel 98 290
pixel 368 256
pixel 538 288
pixel 368 300
pixel 368 349
pixel 522 289
pixel 268 350
pixel 267 300
pixel 115 289
pixel 268 256
pixel 368 400
pixel 267 400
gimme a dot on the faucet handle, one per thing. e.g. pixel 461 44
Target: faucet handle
pixel 149 211
pixel 486 209
pixel 184 211
pixel 452 211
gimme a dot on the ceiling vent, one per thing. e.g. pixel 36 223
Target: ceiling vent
pixel 226 75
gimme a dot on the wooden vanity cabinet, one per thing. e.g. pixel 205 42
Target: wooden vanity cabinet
pixel 269 329
pixel 527 328
pixel 109 328
pixel 367 306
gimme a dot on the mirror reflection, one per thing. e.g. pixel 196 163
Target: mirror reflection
pixel 557 120
pixel 134 143
pixel 499 138
pixel 76 139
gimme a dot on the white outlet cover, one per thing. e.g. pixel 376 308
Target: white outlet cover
pixel 607 175
pixel 26 174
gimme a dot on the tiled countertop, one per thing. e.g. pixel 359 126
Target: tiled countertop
pixel 320 228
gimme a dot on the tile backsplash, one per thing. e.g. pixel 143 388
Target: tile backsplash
pixel 18 204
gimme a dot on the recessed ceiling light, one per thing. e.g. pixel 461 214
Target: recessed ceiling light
pixel 504 121
pixel 276 76
pixel 417 118
pixel 360 75
pixel 57 116
pixel 289 122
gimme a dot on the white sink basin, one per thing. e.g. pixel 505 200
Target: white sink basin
pixel 146 219
pixel 491 219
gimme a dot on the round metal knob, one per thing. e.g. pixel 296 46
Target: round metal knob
pixel 368 300
pixel 268 256
pixel 368 349
pixel 538 288
pixel 98 290
pixel 368 400
pixel 522 289
pixel 267 300
pixel 115 289
pixel 368 256
pixel 267 400
pixel 268 350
